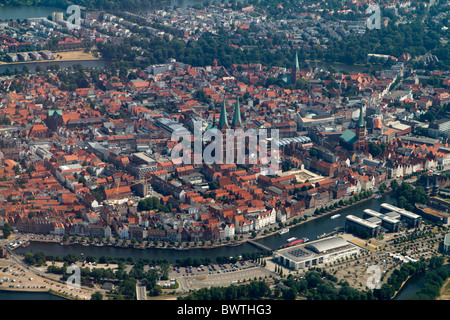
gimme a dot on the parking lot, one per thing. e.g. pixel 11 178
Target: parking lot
pixel 192 278
pixel 14 276
pixel 212 269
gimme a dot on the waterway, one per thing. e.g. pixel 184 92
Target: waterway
pixel 25 12
pixel 310 229
pixel 325 224
pixel 413 285
pixel 342 67
pixel 20 295
pixel 14 13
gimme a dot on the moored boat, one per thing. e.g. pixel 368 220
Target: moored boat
pixel 235 244
pixel 292 243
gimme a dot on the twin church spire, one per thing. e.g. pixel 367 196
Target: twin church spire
pixel 223 120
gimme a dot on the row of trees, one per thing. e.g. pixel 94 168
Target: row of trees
pixel 433 283
pixel 342 203
pixel 255 290
pixel 316 285
pixel 398 276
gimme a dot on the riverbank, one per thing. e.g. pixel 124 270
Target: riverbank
pixel 265 233
pixel 308 212
pixel 444 291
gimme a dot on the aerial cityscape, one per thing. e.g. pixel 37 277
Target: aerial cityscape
pixel 224 150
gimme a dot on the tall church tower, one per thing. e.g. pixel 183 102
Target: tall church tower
pixel 223 120
pixel 295 73
pixel 237 122
pixel 361 144
pixel 224 126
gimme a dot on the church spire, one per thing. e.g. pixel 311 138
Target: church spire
pixel 361 122
pixel 237 123
pixel 223 121
pixel 295 72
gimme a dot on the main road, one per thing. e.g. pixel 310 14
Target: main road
pixel 141 292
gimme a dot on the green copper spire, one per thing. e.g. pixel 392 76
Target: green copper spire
pixel 297 65
pixel 223 122
pixel 361 122
pixel 237 123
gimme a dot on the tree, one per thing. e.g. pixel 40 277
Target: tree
pixel 7 230
pixel 128 288
pixel 394 184
pixel 374 149
pixel 97 296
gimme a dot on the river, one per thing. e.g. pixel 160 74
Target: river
pixel 20 295
pixel 325 224
pixel 14 13
pixel 342 67
pixel 310 229
pixel 24 12
pixel 413 285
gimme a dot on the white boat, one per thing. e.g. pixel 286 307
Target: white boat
pixel 285 230
pixel 378 196
pixel 291 239
pixel 335 216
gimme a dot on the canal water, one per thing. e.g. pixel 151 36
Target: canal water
pixel 325 224
pixel 25 12
pixel 149 253
pixel 413 285
pixel 19 295
pixel 310 229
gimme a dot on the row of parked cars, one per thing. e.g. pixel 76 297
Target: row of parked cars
pixel 219 268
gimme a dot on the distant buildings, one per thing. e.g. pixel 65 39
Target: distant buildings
pixel 30 56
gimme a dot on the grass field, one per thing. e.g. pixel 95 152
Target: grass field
pixel 74 55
